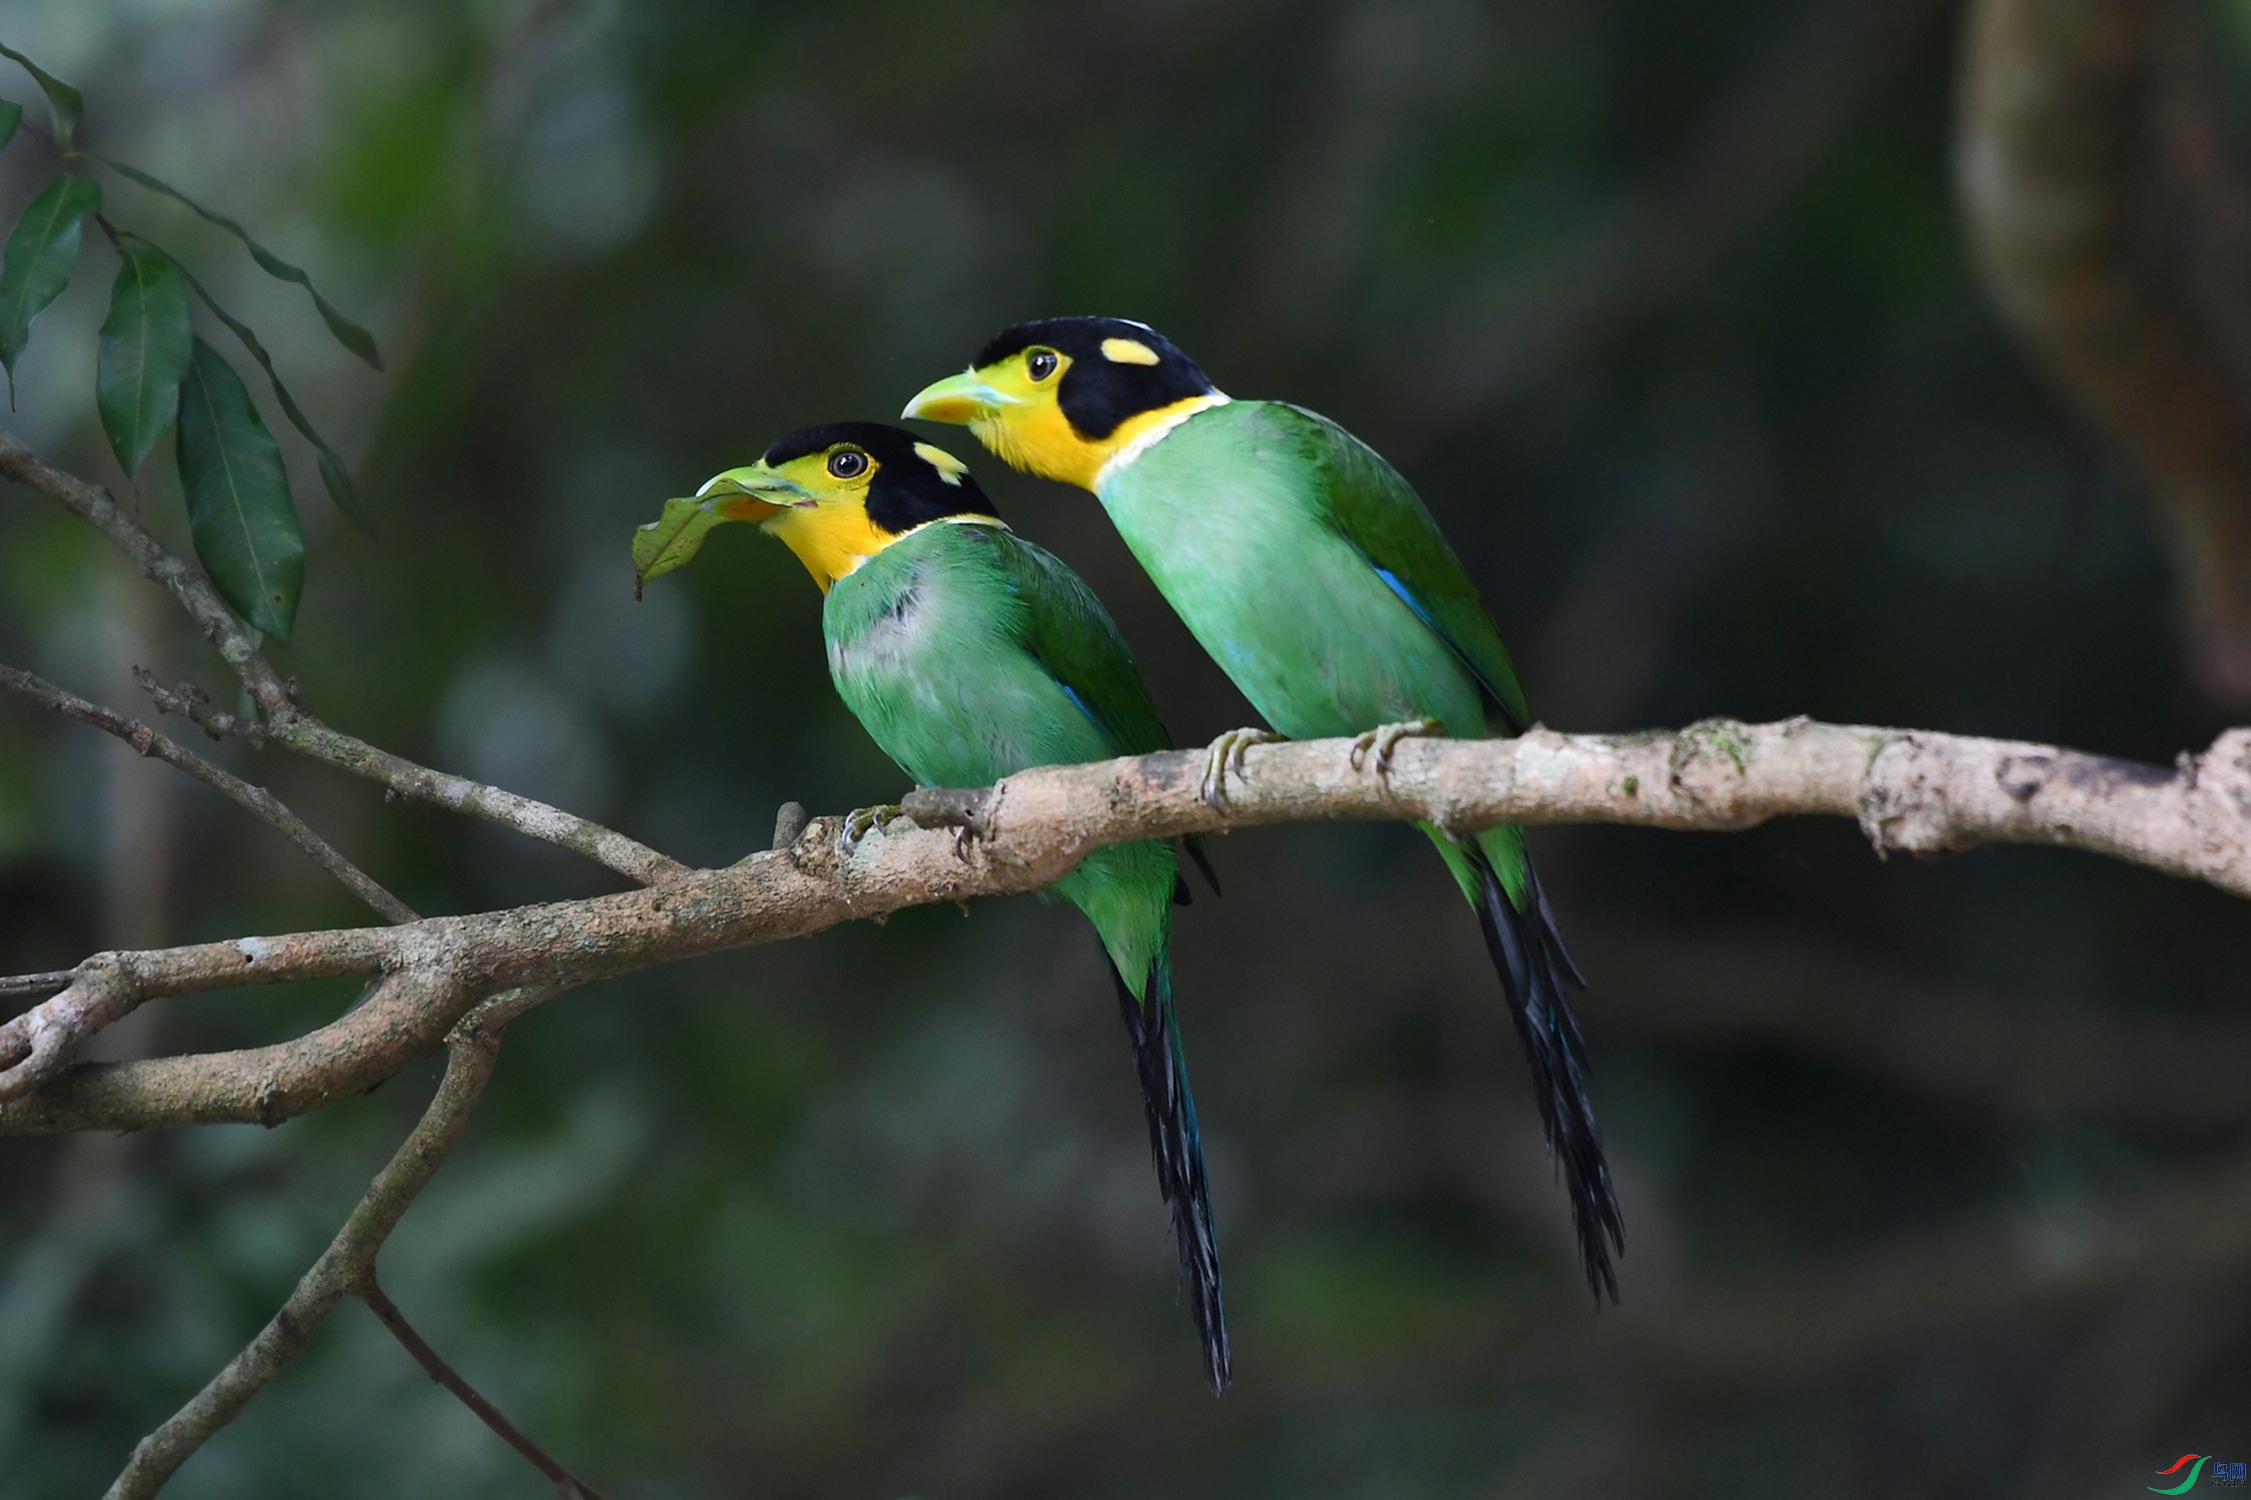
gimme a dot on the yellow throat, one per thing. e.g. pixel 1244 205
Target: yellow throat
pixel 831 540
pixel 1041 440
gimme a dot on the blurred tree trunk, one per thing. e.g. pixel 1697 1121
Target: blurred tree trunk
pixel 2111 223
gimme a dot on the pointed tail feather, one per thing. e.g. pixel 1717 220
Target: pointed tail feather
pixel 1178 1149
pixel 1535 967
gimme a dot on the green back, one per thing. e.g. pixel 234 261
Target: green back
pixel 1317 579
pixel 1311 573
pixel 1374 507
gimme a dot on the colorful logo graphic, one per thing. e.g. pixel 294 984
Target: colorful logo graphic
pixel 2233 1475
pixel 2183 1487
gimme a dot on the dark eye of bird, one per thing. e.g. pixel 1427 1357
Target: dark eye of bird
pixel 1040 363
pixel 847 463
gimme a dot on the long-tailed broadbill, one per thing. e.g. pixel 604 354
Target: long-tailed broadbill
pixel 969 653
pixel 1318 580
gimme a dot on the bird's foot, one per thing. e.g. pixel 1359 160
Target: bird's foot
pixel 1226 755
pixel 861 821
pixel 1372 750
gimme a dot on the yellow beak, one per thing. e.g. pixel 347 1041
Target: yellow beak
pixel 751 493
pixel 959 400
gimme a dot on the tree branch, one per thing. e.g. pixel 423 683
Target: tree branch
pixel 234 640
pixel 567 1484
pixel 1910 791
pixel 341 1270
pixel 255 798
pixel 2116 235
pixel 302 732
pixel 286 721
pixel 637 862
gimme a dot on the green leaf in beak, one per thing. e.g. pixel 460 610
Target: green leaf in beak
pixel 671 540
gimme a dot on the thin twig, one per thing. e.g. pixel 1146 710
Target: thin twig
pixel 287 721
pixel 35 986
pixel 189 702
pixel 308 736
pixel 636 861
pixel 569 1485
pixel 234 640
pixel 339 1271
pixel 256 799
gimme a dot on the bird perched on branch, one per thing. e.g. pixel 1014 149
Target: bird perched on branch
pixel 1317 579
pixel 969 654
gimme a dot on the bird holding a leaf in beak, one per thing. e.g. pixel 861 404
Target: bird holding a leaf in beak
pixel 969 654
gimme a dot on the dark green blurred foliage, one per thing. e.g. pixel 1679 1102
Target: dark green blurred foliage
pixel 869 1213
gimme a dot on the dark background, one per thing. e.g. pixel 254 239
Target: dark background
pixel 1933 1172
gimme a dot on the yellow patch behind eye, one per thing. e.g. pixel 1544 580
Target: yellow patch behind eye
pixel 949 468
pixel 1129 352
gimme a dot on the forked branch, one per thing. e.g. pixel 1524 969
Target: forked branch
pixel 347 1268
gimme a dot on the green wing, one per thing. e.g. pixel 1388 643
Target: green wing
pixel 1080 645
pixel 1381 515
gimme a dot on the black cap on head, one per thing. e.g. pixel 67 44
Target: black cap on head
pixel 1101 389
pixel 909 487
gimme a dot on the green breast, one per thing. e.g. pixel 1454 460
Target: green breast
pixel 926 646
pixel 930 644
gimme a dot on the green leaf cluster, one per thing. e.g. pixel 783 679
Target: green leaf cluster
pixel 152 372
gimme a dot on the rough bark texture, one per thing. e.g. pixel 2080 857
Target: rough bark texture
pixel 2112 228
pixel 1910 791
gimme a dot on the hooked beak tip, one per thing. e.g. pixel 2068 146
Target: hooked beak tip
pixel 957 400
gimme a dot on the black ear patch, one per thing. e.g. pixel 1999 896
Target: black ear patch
pixel 1142 371
pixel 903 496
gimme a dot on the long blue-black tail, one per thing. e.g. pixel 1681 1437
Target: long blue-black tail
pixel 1178 1149
pixel 1535 969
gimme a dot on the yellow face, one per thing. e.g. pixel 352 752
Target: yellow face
pixel 816 504
pixel 1014 408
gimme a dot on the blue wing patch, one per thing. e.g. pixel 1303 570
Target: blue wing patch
pixel 1072 693
pixel 1406 598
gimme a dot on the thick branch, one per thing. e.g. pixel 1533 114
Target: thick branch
pixel 256 799
pixel 1910 791
pixel 2112 225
